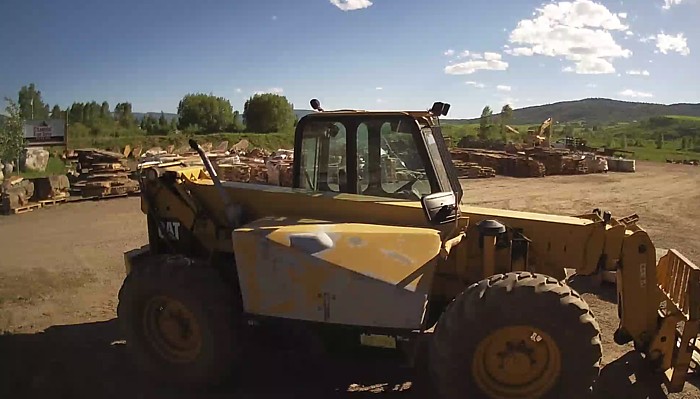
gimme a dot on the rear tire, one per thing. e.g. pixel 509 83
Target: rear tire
pixel 178 319
pixel 516 335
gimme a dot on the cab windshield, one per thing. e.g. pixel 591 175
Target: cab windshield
pixel 370 155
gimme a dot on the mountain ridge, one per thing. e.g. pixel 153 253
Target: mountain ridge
pixel 593 111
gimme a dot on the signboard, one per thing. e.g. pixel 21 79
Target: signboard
pixel 45 132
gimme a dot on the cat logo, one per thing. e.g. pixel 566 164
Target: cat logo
pixel 171 229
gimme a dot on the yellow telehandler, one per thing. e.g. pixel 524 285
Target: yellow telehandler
pixel 477 297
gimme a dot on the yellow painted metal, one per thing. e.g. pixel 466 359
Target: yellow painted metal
pixel 516 362
pixel 678 279
pixel 558 242
pixel 584 243
pixel 378 341
pixel 172 329
pixel 315 270
pixel 637 288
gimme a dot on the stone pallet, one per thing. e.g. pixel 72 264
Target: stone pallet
pixel 6 210
pixel 103 174
pixel 471 170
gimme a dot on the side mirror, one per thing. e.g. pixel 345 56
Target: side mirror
pixel 440 208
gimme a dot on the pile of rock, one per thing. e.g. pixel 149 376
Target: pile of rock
pixel 16 193
pixel 103 174
pixel 51 188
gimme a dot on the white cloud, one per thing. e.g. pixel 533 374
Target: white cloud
pixel 449 53
pixel 591 85
pixel 465 54
pixel 629 33
pixel 492 56
pixel 518 51
pixel 579 31
pixel 238 90
pixel 351 5
pixel 475 84
pixel 491 62
pixel 503 88
pixel 379 88
pixel 647 39
pixel 669 3
pixel 635 94
pixel 622 14
pixel 678 43
pixel 591 66
pixel 637 72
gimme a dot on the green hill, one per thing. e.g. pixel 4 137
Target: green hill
pixel 594 111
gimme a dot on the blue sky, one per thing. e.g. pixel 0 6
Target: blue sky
pixel 378 54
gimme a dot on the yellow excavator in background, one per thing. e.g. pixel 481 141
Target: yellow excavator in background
pixel 540 137
pixel 476 296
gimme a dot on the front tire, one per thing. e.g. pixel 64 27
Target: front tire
pixel 178 320
pixel 516 335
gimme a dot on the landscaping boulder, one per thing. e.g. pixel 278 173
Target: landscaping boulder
pixel 36 159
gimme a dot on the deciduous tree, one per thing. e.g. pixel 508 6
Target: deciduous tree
pixel 11 132
pixel 205 112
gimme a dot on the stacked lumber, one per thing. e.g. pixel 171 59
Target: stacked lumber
pixel 506 164
pixel 472 170
pixel 103 174
pixel 574 165
pixel 553 160
pixel 16 193
pixel 596 164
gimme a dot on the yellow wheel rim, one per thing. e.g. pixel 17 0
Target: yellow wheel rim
pixel 172 329
pixel 516 362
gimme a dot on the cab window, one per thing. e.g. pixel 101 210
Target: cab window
pixel 389 163
pixel 323 156
pixel 384 156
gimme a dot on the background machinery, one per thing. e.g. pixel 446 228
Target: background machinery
pixel 393 259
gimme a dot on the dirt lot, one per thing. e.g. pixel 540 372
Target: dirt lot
pixel 61 268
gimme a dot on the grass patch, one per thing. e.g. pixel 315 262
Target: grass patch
pixel 685 118
pixel 55 166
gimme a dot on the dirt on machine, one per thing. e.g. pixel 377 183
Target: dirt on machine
pixel 372 245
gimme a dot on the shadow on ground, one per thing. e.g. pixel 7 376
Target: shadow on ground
pixel 603 290
pixel 88 361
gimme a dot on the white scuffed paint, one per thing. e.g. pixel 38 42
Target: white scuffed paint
pixel 399 257
pixel 311 242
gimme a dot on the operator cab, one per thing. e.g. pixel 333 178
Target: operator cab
pixel 394 155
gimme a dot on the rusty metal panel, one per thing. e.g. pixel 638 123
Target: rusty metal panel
pixel 344 273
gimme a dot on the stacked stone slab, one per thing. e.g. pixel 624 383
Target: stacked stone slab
pixel 51 188
pixel 102 174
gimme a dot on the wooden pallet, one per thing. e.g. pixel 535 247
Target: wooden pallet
pixel 21 209
pixel 53 201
